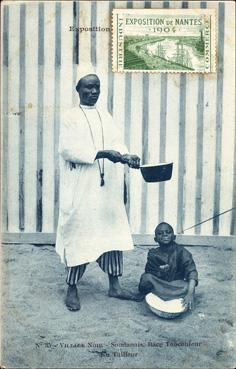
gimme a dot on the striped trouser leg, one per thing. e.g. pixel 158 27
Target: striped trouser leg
pixel 75 273
pixel 111 262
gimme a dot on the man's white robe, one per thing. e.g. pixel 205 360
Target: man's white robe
pixel 92 219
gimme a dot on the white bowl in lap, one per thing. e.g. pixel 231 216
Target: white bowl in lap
pixel 165 309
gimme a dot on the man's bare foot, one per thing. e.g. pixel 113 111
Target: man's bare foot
pixel 117 292
pixel 140 297
pixel 72 299
pixel 122 294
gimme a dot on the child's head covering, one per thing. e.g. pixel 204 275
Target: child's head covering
pixel 165 224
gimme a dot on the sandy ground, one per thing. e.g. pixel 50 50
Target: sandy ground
pixel 39 332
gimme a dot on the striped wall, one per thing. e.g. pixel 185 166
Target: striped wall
pixel 187 119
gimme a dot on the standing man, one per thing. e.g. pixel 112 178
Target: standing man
pixel 93 224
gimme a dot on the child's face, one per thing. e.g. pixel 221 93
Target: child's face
pixel 164 234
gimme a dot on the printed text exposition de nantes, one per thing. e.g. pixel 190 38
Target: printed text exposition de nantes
pixel 161 21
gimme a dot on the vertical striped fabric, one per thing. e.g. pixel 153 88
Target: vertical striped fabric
pixel 75 273
pixel 187 119
pixel 110 262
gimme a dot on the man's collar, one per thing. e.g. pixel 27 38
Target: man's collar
pixel 87 106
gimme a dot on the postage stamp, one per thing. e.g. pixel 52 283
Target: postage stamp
pixel 164 40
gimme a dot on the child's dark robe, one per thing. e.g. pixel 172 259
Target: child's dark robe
pixel 172 283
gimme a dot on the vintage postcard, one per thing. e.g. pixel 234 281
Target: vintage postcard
pixel 164 40
pixel 118 189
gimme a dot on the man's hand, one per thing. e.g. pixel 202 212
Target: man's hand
pixel 133 161
pixel 188 301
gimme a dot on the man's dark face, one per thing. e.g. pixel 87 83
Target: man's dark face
pixel 89 90
pixel 164 234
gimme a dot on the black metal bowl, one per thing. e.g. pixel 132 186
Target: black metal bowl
pixel 157 173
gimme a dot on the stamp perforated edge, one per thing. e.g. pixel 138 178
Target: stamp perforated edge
pixel 161 11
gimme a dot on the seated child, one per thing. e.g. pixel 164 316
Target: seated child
pixel 170 271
